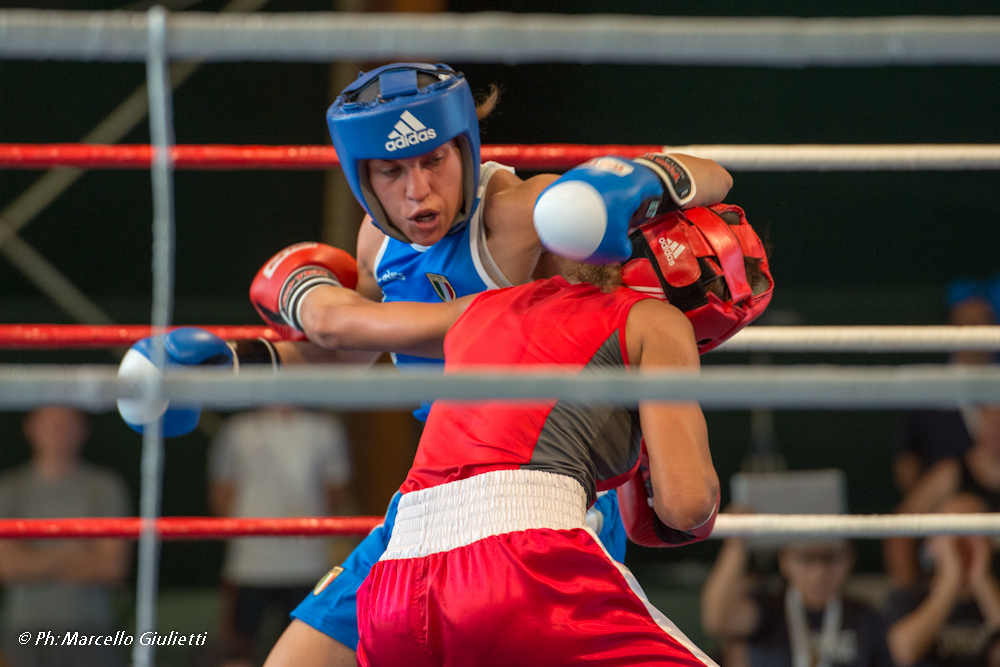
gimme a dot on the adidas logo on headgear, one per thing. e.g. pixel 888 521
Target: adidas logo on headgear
pixel 408 132
pixel 672 249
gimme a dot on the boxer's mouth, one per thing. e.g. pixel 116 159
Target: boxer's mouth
pixel 425 218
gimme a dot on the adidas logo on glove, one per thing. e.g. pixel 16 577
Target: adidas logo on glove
pixel 408 132
pixel 672 250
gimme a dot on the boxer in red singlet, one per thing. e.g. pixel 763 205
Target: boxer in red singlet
pixel 490 561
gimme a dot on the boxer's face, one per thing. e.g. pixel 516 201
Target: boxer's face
pixel 421 195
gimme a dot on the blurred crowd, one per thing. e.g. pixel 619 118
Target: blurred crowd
pixel 276 462
pixel 941 604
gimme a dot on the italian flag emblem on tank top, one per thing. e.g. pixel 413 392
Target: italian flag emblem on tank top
pixel 327 578
pixel 442 287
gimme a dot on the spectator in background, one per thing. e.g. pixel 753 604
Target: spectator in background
pixel 977 472
pixel 60 585
pixel 929 436
pixel 279 462
pixel 807 624
pixel 952 619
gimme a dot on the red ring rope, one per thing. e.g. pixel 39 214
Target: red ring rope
pixel 187 528
pixel 138 156
pixel 59 336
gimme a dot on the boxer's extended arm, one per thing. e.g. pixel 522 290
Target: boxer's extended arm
pixel 369 241
pixel 283 305
pixel 586 214
pixel 343 319
pixel 510 230
pixel 685 484
pixel 510 204
pixel 712 180
pixel 355 321
pixel 291 353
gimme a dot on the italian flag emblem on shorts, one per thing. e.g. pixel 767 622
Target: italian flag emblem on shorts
pixel 327 578
pixel 442 287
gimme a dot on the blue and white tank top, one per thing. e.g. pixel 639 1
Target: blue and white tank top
pixel 458 265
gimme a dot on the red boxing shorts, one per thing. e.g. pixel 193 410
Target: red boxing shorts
pixel 500 569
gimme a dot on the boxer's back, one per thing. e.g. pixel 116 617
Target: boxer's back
pixel 572 328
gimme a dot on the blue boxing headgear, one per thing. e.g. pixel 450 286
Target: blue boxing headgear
pixel 402 111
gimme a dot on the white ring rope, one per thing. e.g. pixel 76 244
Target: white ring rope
pixel 509 38
pixel 798 387
pixel 847 157
pixel 848 525
pixel 161 131
pixel 864 339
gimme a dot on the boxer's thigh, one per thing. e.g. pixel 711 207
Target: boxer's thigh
pixel 301 644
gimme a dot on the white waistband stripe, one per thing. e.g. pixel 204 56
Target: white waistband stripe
pixel 456 514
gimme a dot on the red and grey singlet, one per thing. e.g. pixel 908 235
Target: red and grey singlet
pixel 490 562
pixel 548 322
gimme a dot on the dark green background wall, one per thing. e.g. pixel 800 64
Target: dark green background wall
pixel 875 248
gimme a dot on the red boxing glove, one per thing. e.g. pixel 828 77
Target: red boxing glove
pixel 280 286
pixel 635 503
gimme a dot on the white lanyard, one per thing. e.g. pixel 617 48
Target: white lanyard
pixel 798 631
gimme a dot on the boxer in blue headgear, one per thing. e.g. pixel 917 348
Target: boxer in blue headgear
pixel 400 111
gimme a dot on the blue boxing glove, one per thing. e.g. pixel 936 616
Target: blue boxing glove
pixel 586 214
pixel 187 346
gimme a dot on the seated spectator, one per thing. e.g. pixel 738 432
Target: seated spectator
pixel 807 624
pixel 952 619
pixel 929 436
pixel 977 472
pixel 278 462
pixel 60 585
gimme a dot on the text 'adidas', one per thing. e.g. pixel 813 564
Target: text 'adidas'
pixel 408 132
pixel 672 250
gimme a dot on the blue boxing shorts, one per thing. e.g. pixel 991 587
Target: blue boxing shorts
pixel 611 531
pixel 332 607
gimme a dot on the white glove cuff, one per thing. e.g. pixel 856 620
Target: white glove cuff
pixel 297 285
